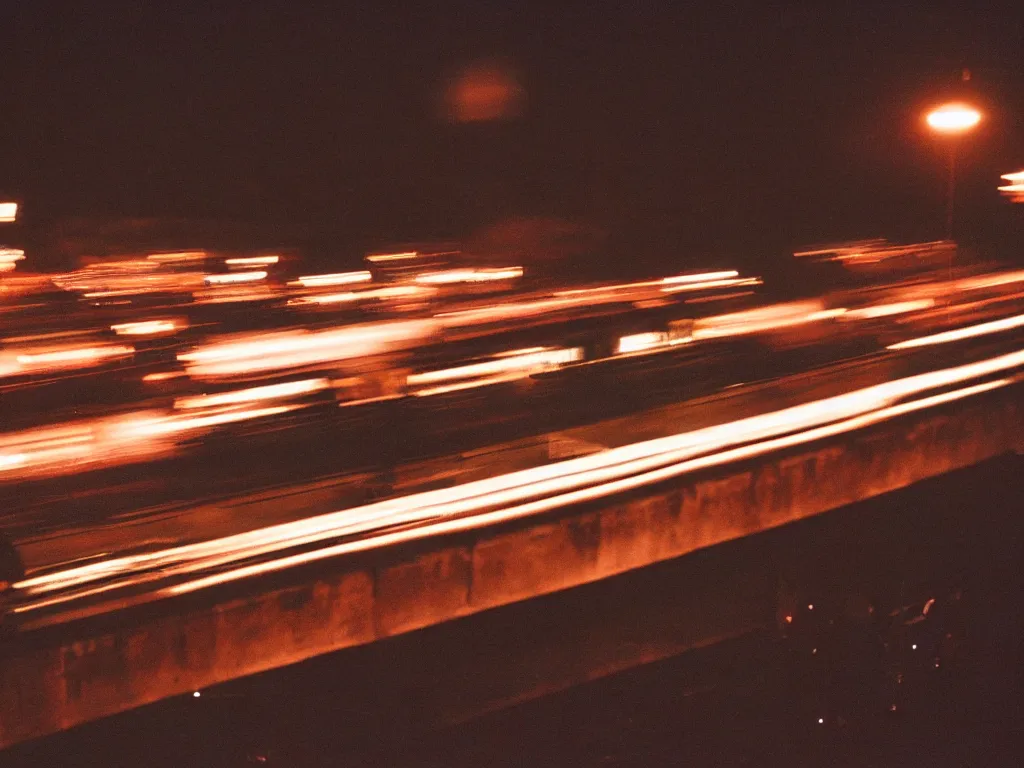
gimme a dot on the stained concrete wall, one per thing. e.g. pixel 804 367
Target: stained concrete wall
pixel 51 684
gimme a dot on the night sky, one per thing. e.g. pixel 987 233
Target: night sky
pixel 685 135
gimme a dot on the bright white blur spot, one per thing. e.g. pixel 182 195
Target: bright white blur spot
pixel 450 276
pixel 8 212
pixel 730 282
pixel 1015 189
pixel 639 342
pixel 702 277
pixel 821 721
pixel 913 647
pixel 337 278
pixel 953 118
pixel 144 328
pixel 236 277
pixel 10 255
pixel 196 695
pixel 252 261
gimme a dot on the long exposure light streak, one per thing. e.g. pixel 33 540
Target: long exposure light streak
pixel 490 499
pixel 959 334
pixel 448 526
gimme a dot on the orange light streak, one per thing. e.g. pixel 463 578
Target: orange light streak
pixel 58 358
pixel 757 320
pixel 387 292
pixel 328 280
pixel 163 376
pixel 253 394
pixel 145 328
pixel 529 491
pixel 252 261
pixel 233 278
pixel 259 353
pixel 444 526
pixel 73 447
pixel 959 334
pixel 529 361
pixel 450 276
pixel 989 281
pixel 725 283
pixel 178 257
pixel 887 310
pixel 385 257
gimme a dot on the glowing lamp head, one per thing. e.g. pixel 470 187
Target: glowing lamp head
pixel 953 118
pixel 8 212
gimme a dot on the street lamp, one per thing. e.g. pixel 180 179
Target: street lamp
pixel 952 120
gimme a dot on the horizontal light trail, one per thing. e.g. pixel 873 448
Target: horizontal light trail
pixel 334 278
pixel 146 327
pixel 529 360
pixel 253 353
pixel 478 275
pixel 959 334
pixel 76 446
pixel 552 484
pixel 253 261
pixel 886 310
pixel 449 526
pixel 236 277
pixel 253 394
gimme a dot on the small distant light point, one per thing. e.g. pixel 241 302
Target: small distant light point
pixel 196 694
pixel 810 606
pixel 913 647
pixel 821 721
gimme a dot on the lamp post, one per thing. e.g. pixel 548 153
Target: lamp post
pixel 952 121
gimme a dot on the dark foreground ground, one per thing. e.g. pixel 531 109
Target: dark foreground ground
pixel 863 672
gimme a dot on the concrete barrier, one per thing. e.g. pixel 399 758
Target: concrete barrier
pixel 60 679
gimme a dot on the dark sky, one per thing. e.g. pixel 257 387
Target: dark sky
pixel 715 131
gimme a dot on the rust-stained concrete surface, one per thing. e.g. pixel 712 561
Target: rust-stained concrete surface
pixel 50 683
